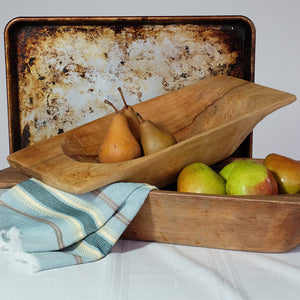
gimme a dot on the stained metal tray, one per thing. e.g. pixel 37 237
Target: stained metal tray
pixel 60 69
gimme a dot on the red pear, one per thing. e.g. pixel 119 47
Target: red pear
pixel 246 177
pixel 286 172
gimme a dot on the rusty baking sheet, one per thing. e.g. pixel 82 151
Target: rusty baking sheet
pixel 60 70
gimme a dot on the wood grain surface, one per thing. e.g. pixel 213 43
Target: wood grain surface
pixel 209 119
pixel 10 177
pixel 247 223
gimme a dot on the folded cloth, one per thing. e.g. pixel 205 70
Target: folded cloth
pixel 49 228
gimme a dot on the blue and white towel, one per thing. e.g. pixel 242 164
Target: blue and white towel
pixel 48 228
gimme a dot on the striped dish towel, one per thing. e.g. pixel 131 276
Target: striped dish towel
pixel 48 228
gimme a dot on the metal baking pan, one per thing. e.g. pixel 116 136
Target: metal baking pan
pixel 60 69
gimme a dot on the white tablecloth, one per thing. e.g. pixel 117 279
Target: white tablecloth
pixel 142 270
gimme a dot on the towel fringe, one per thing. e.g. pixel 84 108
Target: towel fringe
pixel 10 244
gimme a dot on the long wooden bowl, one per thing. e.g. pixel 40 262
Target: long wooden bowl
pixel 209 119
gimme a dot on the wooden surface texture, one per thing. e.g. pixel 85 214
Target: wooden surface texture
pixel 209 119
pixel 248 223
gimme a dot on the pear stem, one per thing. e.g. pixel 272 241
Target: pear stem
pixel 122 96
pixel 109 103
pixel 140 117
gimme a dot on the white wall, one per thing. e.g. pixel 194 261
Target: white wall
pixel 277 65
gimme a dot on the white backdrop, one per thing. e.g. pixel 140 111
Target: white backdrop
pixel 277 64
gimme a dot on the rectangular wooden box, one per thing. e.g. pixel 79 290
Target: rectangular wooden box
pixel 60 69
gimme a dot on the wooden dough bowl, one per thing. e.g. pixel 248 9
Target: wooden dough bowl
pixel 209 119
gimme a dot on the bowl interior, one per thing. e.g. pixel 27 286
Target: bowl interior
pixel 185 113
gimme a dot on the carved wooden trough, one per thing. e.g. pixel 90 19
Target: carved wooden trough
pixel 209 119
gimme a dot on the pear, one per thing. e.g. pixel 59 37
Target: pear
pixel 131 116
pixel 153 138
pixel 286 172
pixel 118 144
pixel 200 178
pixel 247 177
pixel 226 171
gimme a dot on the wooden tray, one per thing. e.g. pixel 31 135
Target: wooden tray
pixel 268 223
pixel 261 223
pixel 248 223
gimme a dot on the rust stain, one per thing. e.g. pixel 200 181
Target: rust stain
pixel 66 72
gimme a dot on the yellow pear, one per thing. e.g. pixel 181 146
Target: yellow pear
pixel 131 116
pixel 200 178
pixel 153 138
pixel 118 144
pixel 286 171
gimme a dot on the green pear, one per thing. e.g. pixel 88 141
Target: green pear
pixel 152 137
pixel 200 178
pixel 246 177
pixel 226 171
pixel 286 172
